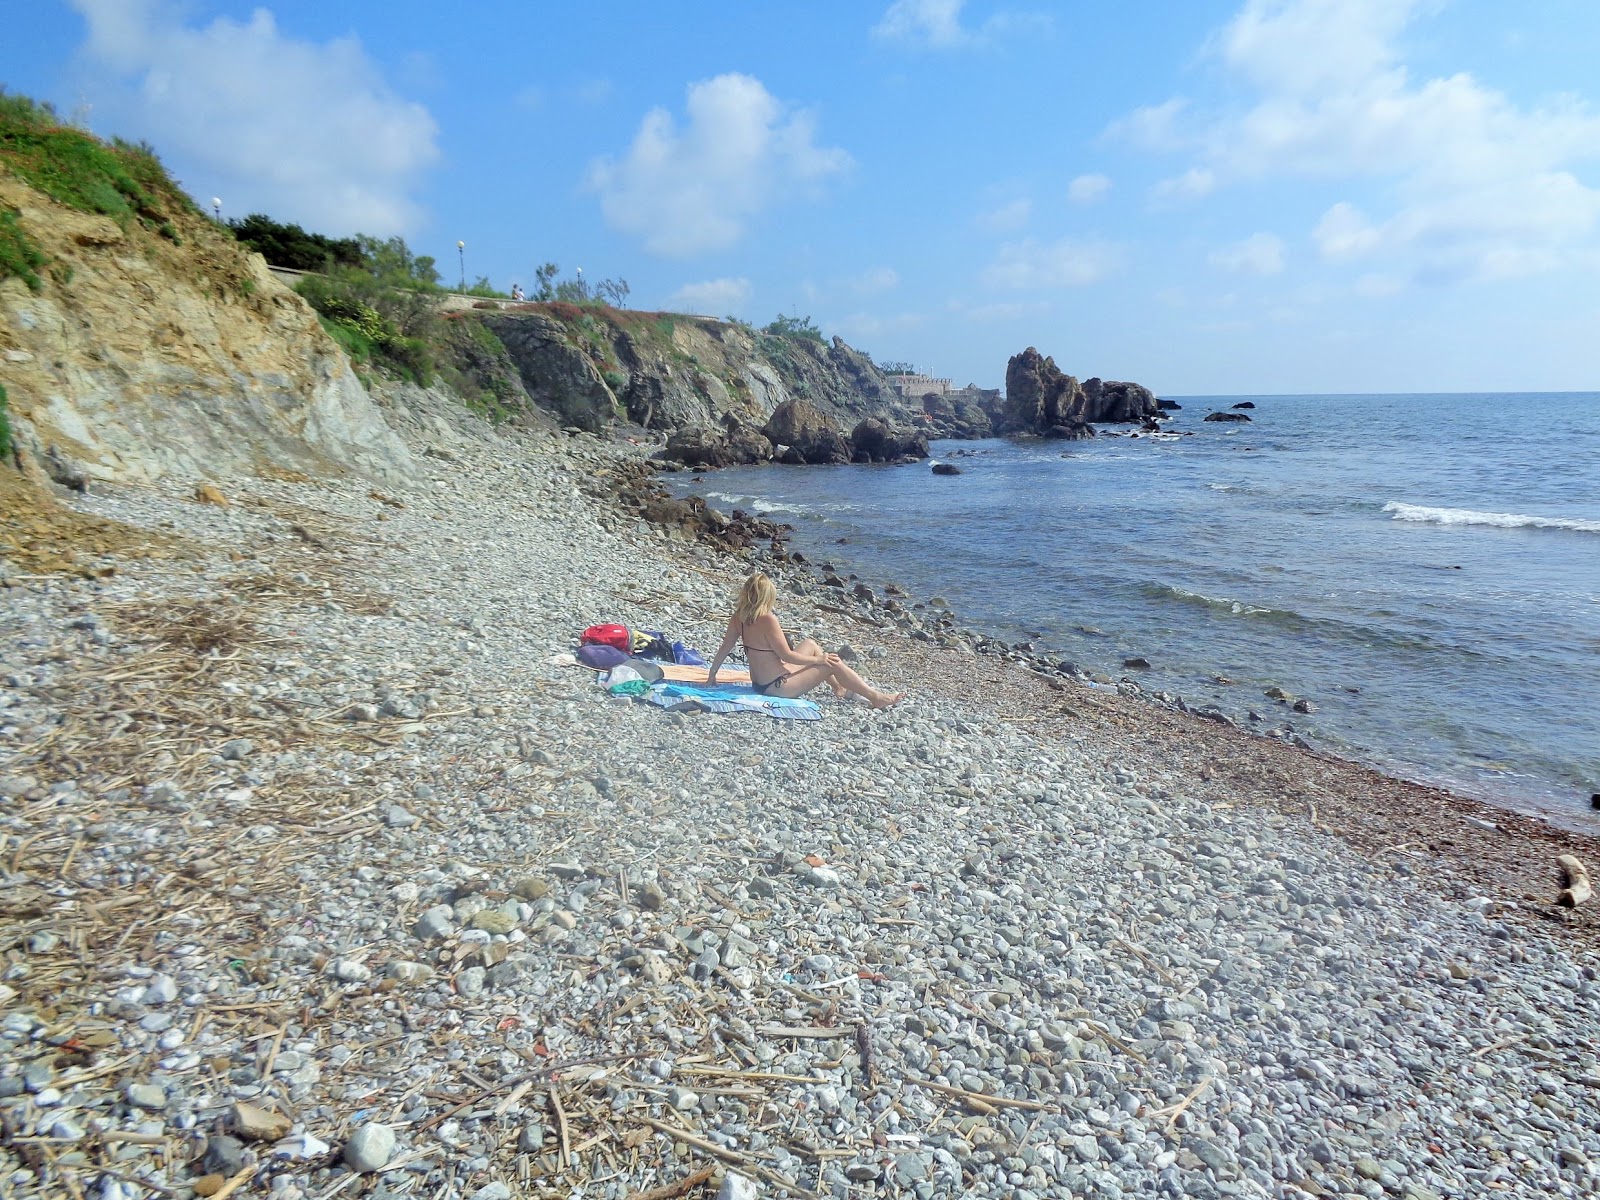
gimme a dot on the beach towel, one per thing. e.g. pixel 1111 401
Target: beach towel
pixel 687 673
pixel 726 698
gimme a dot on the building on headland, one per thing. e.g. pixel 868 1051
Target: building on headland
pixel 914 387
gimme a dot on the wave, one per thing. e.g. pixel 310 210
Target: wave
pixel 1467 516
pixel 1220 603
pixel 767 508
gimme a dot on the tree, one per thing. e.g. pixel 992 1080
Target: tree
pixel 794 327
pixel 614 292
pixel 291 246
pixel 545 288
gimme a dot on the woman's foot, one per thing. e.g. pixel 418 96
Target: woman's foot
pixel 888 699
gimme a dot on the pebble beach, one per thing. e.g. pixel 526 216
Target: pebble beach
pixel 326 874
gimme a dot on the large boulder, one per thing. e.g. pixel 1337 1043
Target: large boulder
pixel 1115 401
pixel 735 444
pixel 875 440
pixel 808 435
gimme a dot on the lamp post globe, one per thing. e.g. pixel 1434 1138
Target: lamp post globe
pixel 461 252
pixel 216 206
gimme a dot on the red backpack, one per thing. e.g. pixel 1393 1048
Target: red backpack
pixel 609 635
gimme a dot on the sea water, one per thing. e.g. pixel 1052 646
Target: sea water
pixel 1425 569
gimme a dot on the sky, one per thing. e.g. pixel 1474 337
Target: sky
pixel 1204 196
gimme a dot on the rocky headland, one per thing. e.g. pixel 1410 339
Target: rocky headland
pixel 325 871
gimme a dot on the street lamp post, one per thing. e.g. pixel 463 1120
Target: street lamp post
pixel 581 292
pixel 216 206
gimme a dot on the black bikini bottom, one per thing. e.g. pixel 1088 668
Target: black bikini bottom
pixel 765 689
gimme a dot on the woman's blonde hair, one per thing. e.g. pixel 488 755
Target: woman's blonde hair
pixel 756 599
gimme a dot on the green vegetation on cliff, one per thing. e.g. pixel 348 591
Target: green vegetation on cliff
pixel 122 181
pixel 5 429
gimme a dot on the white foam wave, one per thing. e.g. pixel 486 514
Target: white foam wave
pixel 1237 607
pixel 1467 516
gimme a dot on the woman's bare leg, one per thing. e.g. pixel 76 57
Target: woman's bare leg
pixel 810 646
pixel 841 676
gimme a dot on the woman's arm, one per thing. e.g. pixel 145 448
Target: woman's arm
pixel 773 632
pixel 729 636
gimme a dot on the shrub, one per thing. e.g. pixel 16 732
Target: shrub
pixel 18 255
pixel 5 426
pixel 291 246
pixel 804 327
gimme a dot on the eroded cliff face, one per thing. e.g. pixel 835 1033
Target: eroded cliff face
pixel 142 356
pixel 672 373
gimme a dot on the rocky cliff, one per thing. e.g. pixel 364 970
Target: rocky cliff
pixel 151 345
pixel 711 386
pixel 1040 399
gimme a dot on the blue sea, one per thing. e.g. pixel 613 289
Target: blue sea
pixel 1424 568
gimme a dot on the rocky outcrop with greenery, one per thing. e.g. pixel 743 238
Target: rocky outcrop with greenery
pixel 699 380
pixel 137 339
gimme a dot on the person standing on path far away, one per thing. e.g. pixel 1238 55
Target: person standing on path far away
pixel 778 669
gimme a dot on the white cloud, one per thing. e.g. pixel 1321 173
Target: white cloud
pixel 1193 184
pixel 1258 254
pixel 305 131
pixel 1007 218
pixel 1069 262
pixel 928 22
pixel 693 190
pixel 1343 233
pixel 936 25
pixel 712 297
pixel 1086 189
pixel 1477 185
pixel 875 280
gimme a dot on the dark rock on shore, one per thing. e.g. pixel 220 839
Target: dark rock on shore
pixel 1169 406
pixel 807 434
pixel 1245 404
pixel 944 468
pixel 703 446
pixel 1227 416
pixel 875 440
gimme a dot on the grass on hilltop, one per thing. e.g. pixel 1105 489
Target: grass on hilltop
pixel 73 167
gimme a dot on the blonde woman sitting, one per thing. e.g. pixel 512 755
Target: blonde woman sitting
pixel 776 668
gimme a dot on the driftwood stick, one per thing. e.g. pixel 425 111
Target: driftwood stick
pixel 1178 1109
pixel 561 1126
pixel 743 1161
pixel 245 1175
pixel 1575 877
pixel 994 1102
pixel 672 1191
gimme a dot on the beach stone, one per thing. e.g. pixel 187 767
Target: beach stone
pixel 531 1139
pixel 255 1124
pixel 737 1187
pixel 370 1148
pixel 224 1155
pixel 236 749
pixel 146 1095
pixel 495 1190
pixel 438 922
pixel 396 817
pixel 162 989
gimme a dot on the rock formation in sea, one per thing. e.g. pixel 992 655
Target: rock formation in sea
pixel 1041 399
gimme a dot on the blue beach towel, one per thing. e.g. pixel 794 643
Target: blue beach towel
pixel 733 698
